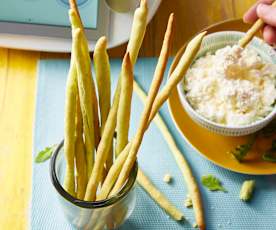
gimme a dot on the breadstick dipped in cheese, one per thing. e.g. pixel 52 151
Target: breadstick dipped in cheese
pixel 253 31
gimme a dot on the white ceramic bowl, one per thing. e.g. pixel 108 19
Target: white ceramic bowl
pixel 211 43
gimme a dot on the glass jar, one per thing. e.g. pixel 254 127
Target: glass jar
pixel 105 214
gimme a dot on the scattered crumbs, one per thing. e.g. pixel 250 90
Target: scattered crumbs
pixel 219 225
pixel 188 201
pixel 212 207
pixel 168 217
pixel 195 225
pixel 167 178
pixel 229 222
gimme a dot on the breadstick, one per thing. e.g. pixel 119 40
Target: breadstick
pixel 69 128
pixel 179 72
pixel 137 34
pixel 102 69
pixel 81 173
pixel 157 79
pixel 158 197
pixel 113 173
pixel 137 31
pixel 76 23
pixel 123 117
pixel 85 94
pixel 162 62
pixel 181 162
pixel 252 31
pixel 105 143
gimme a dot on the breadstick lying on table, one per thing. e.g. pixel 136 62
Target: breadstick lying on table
pixel 252 31
pixel 158 197
pixel 181 162
pixel 102 69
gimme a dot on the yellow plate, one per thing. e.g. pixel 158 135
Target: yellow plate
pixel 213 146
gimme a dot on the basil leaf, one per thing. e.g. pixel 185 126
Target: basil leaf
pixel 212 183
pixel 45 154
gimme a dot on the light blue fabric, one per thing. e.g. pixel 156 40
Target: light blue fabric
pixel 223 210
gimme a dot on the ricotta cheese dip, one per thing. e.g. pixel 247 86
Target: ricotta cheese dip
pixel 233 86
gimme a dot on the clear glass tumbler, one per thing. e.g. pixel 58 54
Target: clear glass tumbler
pixel 105 214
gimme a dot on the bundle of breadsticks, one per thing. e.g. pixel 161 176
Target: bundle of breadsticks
pixel 97 164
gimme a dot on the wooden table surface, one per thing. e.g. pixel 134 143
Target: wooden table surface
pixel 18 91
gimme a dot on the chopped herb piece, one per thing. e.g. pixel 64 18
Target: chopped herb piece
pixel 212 183
pixel 241 151
pixel 270 155
pixel 45 154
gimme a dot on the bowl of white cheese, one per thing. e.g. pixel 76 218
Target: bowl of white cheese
pixel 230 90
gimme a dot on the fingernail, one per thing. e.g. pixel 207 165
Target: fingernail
pixel 261 8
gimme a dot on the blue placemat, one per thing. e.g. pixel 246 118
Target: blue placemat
pixel 223 210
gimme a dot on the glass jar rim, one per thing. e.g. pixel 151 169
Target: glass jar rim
pixel 126 188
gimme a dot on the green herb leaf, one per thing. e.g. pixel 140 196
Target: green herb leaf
pixel 270 155
pixel 241 151
pixel 45 154
pixel 269 130
pixel 212 183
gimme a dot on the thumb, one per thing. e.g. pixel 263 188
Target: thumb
pixel 267 13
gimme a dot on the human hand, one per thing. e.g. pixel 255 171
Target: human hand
pixel 263 9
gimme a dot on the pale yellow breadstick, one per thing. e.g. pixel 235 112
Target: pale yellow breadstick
pixel 179 72
pixel 105 142
pixel 157 79
pixel 158 197
pixel 137 31
pixel 85 94
pixel 123 117
pixel 102 69
pixel 70 128
pixel 80 160
pixel 252 31
pixel 113 173
pixel 181 162
pixel 139 22
pixel 76 23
